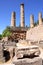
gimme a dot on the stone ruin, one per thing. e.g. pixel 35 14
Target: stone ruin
pixel 22 49
pixel 29 37
pixel 11 47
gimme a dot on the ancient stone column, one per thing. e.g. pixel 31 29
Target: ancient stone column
pixel 40 18
pixel 31 21
pixel 22 23
pixel 13 19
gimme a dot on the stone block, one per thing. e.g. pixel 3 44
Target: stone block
pixel 27 61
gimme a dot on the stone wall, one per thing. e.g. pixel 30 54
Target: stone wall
pixel 19 35
pixel 35 34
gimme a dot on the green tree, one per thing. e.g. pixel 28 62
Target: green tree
pixel 6 32
pixel 0 36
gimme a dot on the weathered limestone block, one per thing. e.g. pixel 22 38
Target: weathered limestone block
pixel 24 48
pixel 34 61
pixel 35 34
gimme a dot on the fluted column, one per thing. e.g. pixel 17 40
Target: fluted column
pixel 22 23
pixel 13 19
pixel 40 18
pixel 31 21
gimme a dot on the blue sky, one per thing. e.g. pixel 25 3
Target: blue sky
pixel 8 6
